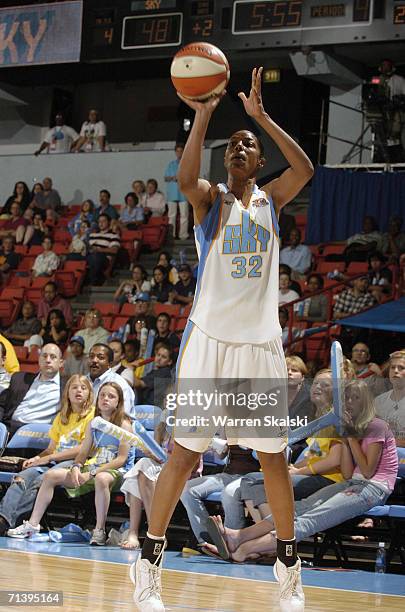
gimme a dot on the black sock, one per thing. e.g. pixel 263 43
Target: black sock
pixel 4 526
pixel 152 549
pixel 287 551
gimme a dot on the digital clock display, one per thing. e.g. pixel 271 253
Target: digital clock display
pixel 158 30
pixel 264 16
pixel 399 14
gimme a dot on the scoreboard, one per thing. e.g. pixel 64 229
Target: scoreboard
pixel 130 29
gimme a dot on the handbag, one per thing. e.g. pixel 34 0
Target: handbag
pixel 11 464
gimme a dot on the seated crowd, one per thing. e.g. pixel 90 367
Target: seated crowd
pixel 87 367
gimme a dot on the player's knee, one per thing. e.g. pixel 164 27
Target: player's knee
pixel 183 460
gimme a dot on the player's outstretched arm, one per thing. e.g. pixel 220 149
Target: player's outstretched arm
pixel 290 183
pixel 197 190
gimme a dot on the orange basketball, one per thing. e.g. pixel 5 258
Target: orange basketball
pixel 199 70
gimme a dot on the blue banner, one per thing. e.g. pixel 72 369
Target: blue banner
pixel 41 34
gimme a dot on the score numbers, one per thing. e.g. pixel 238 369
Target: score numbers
pixel 159 30
pixel 399 14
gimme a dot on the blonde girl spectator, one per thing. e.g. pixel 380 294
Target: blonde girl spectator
pixel 66 434
pixel 139 188
pixel 369 465
pixel 97 466
pixel 93 332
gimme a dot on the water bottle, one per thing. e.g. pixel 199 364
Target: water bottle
pixel 144 340
pixel 380 560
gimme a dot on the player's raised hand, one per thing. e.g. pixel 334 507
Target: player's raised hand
pixel 253 104
pixel 208 105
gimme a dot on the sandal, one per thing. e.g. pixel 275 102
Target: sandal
pixel 218 539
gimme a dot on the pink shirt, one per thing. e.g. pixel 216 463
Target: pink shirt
pixel 44 307
pixel 387 469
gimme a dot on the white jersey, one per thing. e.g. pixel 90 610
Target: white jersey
pixel 236 298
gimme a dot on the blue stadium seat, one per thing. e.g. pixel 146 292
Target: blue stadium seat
pixel 31 436
pixel 214 497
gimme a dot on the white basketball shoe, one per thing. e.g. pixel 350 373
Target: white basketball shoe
pixel 146 577
pixel 292 598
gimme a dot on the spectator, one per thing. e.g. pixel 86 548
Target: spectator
pixel 96 468
pixel 40 229
pixel 361 363
pixel 5 377
pixel 299 404
pixel 9 259
pixel 45 263
pixel 153 386
pixel 129 290
pixel 352 301
pixel 165 259
pixel 285 293
pixel 132 214
pixel 101 358
pixel 103 247
pixel 21 195
pixel 139 486
pixel 51 300
pixel 298 256
pixel 142 309
pixel 26 326
pixel 86 214
pixel 59 139
pixel 79 245
pixel 105 207
pixel 36 189
pixel 240 461
pixel 184 290
pixel 163 332
pixel 161 289
pixel 294 285
pixel 93 331
pixel 17 226
pixel 393 241
pixel 34 398
pixel 155 204
pixel 76 362
pixel 119 363
pixel 380 277
pixel 92 134
pixel 131 348
pixel 48 198
pixel 175 197
pixel 390 406
pixel 136 324
pixel 138 187
pixel 54 331
pixel 369 464
pixel 360 246
pixel 66 433
pixel 315 308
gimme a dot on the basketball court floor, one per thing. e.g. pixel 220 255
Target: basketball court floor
pixel 96 579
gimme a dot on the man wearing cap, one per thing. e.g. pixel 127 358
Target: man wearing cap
pixel 142 306
pixel 76 362
pixel 184 290
pixel 352 301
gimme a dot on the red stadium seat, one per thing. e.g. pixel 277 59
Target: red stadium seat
pixel 21 249
pixel 40 282
pixel 357 267
pixel 12 293
pixel 180 324
pixel 74 266
pixel 8 312
pixel 317 347
pixel 21 352
pixel 118 322
pixel 34 294
pixel 172 309
pixel 154 237
pixel 26 264
pixel 323 267
pixel 60 248
pixel 69 283
pixel 29 367
pixel 128 310
pixel 107 308
pixel 16 280
pixel 158 221
pixel 62 235
pixel 35 249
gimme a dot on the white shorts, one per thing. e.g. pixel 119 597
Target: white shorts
pixel 149 468
pixel 205 358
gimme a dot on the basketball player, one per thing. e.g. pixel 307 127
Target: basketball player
pixel 233 329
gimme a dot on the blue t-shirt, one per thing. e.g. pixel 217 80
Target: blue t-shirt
pixel 173 192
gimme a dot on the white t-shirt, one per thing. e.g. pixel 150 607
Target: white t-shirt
pixel 92 131
pixel 391 412
pixel 60 138
pixel 290 296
